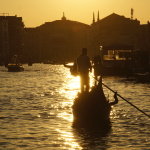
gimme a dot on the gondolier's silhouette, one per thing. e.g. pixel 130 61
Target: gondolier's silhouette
pixel 84 66
pixel 97 66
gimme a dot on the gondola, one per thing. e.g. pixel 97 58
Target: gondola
pixel 73 68
pixel 92 109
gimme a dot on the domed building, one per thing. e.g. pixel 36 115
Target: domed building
pixel 60 40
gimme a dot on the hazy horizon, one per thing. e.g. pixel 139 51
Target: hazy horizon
pixel 36 12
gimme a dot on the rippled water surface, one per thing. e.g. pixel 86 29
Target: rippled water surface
pixel 36 113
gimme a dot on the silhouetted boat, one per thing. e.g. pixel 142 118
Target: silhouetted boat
pixel 73 69
pixel 92 109
pixel 15 67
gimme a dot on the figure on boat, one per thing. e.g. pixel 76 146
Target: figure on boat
pixel 81 67
pixel 91 108
pixel 97 66
pixel 84 67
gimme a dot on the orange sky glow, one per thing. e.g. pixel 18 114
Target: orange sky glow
pixel 36 12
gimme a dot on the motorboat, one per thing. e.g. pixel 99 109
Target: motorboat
pixel 15 67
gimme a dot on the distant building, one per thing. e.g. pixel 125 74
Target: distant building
pixel 11 36
pixel 118 37
pixel 60 40
pixel 115 32
pixel 143 46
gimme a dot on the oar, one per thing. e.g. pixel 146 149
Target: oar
pixel 126 100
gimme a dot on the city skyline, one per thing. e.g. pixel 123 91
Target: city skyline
pixel 36 12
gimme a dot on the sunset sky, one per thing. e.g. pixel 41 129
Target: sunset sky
pixel 36 12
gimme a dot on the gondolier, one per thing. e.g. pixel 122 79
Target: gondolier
pixel 83 67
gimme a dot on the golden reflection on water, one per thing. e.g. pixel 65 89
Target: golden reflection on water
pixel 69 140
pixel 54 112
pixel 69 90
pixel 71 85
pixel 66 116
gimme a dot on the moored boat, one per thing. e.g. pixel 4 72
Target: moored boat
pixel 15 67
pixel 73 68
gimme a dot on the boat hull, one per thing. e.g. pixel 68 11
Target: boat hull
pixel 92 109
pixel 15 68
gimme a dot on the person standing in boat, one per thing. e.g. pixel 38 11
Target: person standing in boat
pixel 83 67
pixel 97 66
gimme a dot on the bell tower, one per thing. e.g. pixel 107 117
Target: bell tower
pixel 132 13
pixel 98 17
pixel 63 17
pixel 93 18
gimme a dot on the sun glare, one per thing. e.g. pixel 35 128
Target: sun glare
pixel 71 86
pixel 68 139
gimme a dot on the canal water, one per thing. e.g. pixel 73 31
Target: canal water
pixel 36 112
